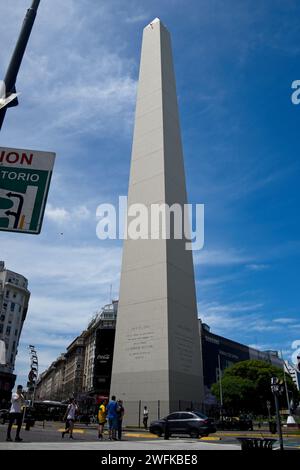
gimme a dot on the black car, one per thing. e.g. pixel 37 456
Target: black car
pixel 193 423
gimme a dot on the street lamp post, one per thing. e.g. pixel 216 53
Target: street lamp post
pixel 221 389
pixel 269 409
pixel 16 59
pixel 276 388
pixel 33 374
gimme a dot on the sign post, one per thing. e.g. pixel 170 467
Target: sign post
pixel 25 177
pixel 16 60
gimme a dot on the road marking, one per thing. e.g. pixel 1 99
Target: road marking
pixel 146 436
pixel 262 435
pixel 78 431
pixel 210 438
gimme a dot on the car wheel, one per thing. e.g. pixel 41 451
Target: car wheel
pixel 157 431
pixel 194 433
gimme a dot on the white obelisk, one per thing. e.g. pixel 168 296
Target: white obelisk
pixel 157 358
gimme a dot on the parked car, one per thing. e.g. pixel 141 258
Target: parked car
pixel 193 423
pixel 235 423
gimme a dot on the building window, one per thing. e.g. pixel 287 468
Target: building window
pixel 7 294
pixel 12 306
pixel 16 332
pixel 2 318
pixel 1 328
pixel 8 329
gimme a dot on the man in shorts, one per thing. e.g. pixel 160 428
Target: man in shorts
pixel 112 416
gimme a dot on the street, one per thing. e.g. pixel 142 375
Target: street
pixel 85 437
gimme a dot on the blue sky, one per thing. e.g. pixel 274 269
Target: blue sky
pixel 235 63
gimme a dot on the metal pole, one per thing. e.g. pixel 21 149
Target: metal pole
pixel 285 385
pixel 16 59
pixel 221 390
pixel 139 413
pixel 278 420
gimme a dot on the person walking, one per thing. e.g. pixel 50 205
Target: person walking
pixel 101 418
pixel 112 417
pixel 15 414
pixel 120 414
pixel 70 418
pixel 145 417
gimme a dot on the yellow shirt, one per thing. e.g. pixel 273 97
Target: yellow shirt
pixel 102 414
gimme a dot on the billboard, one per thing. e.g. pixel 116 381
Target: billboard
pixel 105 338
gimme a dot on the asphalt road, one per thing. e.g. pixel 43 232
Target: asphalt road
pixel 85 437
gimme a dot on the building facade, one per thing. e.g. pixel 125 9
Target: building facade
pixel 14 299
pixel 50 384
pixel 294 371
pixel 219 353
pixel 84 370
pixel 99 346
pixel 74 367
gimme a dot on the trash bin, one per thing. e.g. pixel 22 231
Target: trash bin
pixel 272 427
pixel 254 443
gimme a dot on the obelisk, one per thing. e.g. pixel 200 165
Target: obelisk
pixel 157 358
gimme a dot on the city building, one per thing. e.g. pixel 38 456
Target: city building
pixel 99 346
pixel 14 299
pixel 73 378
pixel 84 370
pixel 219 353
pixel 50 384
pixel 294 371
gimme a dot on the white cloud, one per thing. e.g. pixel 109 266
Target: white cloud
pixel 257 267
pixel 81 213
pixel 236 318
pixel 60 215
pixel 220 257
pixel 284 320
pixel 75 77
pixel 57 214
pixel 70 268
pixel 137 18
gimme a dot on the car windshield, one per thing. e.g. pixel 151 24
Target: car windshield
pixel 201 415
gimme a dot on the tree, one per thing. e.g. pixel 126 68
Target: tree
pixel 246 387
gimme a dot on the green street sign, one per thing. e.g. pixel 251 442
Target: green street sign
pixel 25 177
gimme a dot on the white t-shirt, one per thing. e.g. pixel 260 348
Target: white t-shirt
pixel 71 411
pixel 16 403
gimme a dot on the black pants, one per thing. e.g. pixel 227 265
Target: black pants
pixel 145 423
pixel 120 429
pixel 12 418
